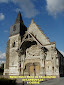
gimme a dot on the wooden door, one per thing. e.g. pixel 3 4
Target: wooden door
pixel 31 70
pixel 37 70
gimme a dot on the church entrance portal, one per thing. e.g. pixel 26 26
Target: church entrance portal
pixel 33 69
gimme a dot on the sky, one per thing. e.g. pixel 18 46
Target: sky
pixel 47 14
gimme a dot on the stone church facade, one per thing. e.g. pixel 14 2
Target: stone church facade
pixel 29 52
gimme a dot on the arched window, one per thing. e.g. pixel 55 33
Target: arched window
pixel 13 45
pixel 25 67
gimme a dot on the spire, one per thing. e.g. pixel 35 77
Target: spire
pixel 19 18
pixel 32 21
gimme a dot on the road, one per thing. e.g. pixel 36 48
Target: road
pixel 57 81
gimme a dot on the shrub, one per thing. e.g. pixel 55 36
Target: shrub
pixel 5 81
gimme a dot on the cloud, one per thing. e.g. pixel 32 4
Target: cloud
pixel 17 9
pixel 2 16
pixel 1 62
pixel 4 1
pixel 6 31
pixel 2 55
pixel 62 53
pixel 55 6
pixel 27 7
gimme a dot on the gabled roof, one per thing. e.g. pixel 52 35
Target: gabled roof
pixel 35 30
pixel 59 52
pixel 37 35
pixel 19 18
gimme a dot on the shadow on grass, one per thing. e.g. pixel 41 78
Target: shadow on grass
pixel 5 81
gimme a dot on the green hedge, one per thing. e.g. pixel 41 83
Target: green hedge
pixel 1 71
pixel 5 81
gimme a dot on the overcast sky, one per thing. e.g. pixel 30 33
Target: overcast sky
pixel 48 14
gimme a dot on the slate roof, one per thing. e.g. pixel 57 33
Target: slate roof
pixel 19 18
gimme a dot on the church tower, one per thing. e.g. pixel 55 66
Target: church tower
pixel 17 31
pixel 18 27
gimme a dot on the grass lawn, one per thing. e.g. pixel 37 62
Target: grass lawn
pixel 5 81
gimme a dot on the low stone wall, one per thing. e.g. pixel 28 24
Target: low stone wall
pixel 4 76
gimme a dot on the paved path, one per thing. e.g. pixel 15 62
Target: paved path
pixel 58 81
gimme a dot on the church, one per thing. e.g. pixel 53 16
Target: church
pixel 30 53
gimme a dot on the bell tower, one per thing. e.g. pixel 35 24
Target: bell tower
pixel 17 31
pixel 18 27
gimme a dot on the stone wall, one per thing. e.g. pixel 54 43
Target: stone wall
pixel 7 54
pixel 13 60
